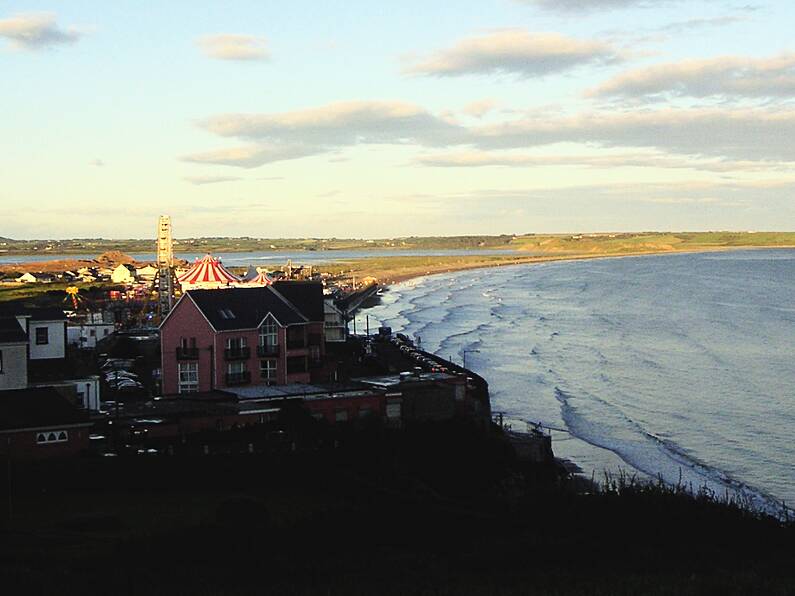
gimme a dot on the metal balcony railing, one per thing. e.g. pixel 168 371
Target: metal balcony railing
pixel 237 353
pixel 268 350
pixel 184 353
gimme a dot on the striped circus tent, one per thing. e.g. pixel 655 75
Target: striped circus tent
pixel 261 279
pixel 206 273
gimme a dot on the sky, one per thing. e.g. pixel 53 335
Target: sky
pixel 313 118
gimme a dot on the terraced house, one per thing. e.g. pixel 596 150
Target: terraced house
pixel 232 337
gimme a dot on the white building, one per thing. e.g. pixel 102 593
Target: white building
pixel 122 274
pixel 146 273
pixel 13 355
pixel 86 335
pixel 334 322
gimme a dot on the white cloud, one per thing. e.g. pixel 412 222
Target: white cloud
pixel 252 156
pixel 201 180
pixel 475 159
pixel 341 123
pixel 229 46
pixel 725 76
pixel 478 109
pixel 514 51
pixel 748 134
pixel 587 5
pixel 33 31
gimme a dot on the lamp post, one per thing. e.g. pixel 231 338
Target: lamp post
pixel 465 352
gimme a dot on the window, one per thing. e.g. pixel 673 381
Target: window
pixel 341 415
pixel 42 336
pixel 236 368
pixel 267 369
pixel 188 377
pixel 92 332
pixel 269 333
pixel 226 314
pixel 235 343
pixel 296 364
pixel 54 436
pixel 187 343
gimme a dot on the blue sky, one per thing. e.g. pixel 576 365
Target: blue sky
pixel 385 119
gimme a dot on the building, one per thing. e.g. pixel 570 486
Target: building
pixel 217 339
pixel 85 335
pixel 123 274
pixel 13 355
pixel 40 423
pixel 45 362
pixel 147 272
pixel 36 278
pixel 334 320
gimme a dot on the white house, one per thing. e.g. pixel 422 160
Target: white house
pixel 86 335
pixel 26 278
pixel 122 274
pixel 13 355
pixel 147 272
pixel 334 322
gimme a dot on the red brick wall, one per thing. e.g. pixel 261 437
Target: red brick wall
pixel 22 445
pixel 185 321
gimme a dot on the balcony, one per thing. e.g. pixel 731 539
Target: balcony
pixel 238 378
pixel 184 353
pixel 237 353
pixel 268 350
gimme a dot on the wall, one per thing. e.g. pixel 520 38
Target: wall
pixel 56 345
pixel 81 335
pixel 22 445
pixel 15 366
pixel 185 320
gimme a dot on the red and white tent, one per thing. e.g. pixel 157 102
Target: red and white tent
pixel 206 273
pixel 261 279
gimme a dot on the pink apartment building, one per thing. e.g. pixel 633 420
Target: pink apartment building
pixel 226 338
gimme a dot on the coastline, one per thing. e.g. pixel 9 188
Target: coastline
pixel 594 458
pixel 401 277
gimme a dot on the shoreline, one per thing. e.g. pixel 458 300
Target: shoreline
pixel 535 259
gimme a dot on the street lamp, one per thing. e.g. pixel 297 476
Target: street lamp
pixel 465 352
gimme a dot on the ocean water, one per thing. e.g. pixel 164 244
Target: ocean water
pixel 679 366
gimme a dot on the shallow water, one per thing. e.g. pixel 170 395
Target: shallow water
pixel 673 365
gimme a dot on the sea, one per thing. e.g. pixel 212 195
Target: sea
pixel 676 367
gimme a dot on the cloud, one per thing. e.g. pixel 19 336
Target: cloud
pixel 229 46
pixel 514 51
pixel 749 134
pixel 725 76
pixel 475 159
pixel 478 109
pixel 699 23
pixel 339 124
pixel 252 156
pixel 34 31
pixel 587 5
pixel 98 163
pixel 201 180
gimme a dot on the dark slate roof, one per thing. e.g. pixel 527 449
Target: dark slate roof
pixel 37 407
pixel 247 306
pixel 307 296
pixel 10 331
pixel 35 313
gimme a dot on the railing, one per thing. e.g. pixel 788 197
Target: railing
pixel 184 353
pixel 238 378
pixel 237 353
pixel 268 350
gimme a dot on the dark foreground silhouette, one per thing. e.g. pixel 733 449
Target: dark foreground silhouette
pixel 443 509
